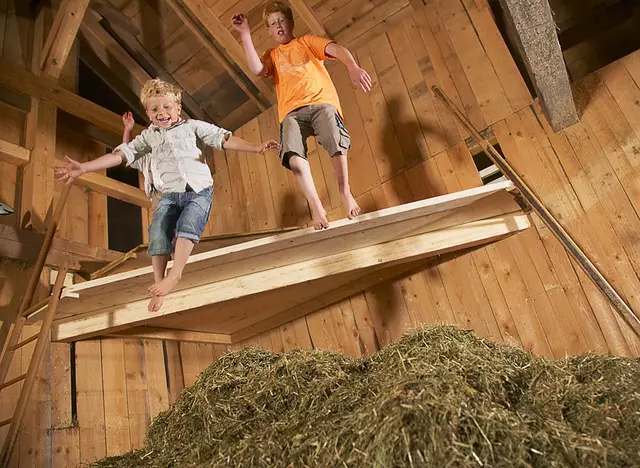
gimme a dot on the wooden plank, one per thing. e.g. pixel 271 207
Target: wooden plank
pixel 482 78
pixel 48 90
pixel 190 366
pixel 157 333
pixel 13 154
pixel 158 393
pixel 233 49
pixel 535 34
pixel 174 370
pixel 412 143
pixel 260 254
pixel 496 49
pixel 58 45
pixel 136 392
pixel 403 250
pixel 90 401
pixel 116 416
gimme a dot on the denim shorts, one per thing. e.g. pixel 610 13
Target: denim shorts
pixel 185 213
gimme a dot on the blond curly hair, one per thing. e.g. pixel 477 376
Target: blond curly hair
pixel 157 88
pixel 277 7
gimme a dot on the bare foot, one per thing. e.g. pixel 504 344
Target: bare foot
pixel 164 287
pixel 319 219
pixel 155 303
pixel 350 203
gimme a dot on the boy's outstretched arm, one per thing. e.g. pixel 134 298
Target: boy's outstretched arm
pixel 240 23
pixel 71 169
pixel 359 76
pixel 238 144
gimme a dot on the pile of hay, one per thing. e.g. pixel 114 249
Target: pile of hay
pixel 438 397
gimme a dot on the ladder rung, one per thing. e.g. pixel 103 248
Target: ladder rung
pixel 24 342
pixel 5 422
pixel 11 382
pixel 36 307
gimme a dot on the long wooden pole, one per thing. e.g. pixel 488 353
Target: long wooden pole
pixel 536 204
pixel 32 372
pixel 33 280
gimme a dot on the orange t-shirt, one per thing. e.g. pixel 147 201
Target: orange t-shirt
pixel 300 74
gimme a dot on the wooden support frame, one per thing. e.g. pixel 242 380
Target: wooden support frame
pixel 233 288
pixel 309 17
pixel 552 223
pixel 23 245
pixel 144 59
pixel 219 32
pixel 63 32
pixel 113 188
pixel 25 82
pixel 14 154
pixel 179 8
pixel 533 29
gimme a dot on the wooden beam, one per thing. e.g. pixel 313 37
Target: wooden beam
pixel 17 101
pixel 88 129
pixel 146 61
pixel 530 25
pixel 114 16
pixel 63 32
pixel 113 188
pixel 23 81
pixel 309 17
pixel 229 44
pixel 22 245
pixel 113 81
pixel 14 154
pixel 157 333
pixel 208 43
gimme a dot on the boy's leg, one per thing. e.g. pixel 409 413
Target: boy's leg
pixel 334 138
pixel 301 169
pixel 189 227
pixel 294 132
pixel 339 163
pixel 160 237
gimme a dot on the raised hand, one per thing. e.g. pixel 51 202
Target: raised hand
pixel 240 23
pixel 360 78
pixel 268 145
pixel 68 171
pixel 127 120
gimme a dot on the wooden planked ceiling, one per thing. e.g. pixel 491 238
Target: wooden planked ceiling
pixel 192 42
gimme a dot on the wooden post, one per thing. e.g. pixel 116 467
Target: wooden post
pixel 554 226
pixel 35 277
pixel 32 372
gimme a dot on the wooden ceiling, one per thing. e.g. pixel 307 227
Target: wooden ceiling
pixel 192 43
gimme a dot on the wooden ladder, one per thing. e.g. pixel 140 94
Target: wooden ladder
pixel 43 337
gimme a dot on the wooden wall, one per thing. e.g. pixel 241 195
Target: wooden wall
pixel 406 146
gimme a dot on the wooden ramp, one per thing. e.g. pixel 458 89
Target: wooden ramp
pixel 232 293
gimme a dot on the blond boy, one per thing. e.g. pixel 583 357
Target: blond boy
pixel 308 102
pixel 187 186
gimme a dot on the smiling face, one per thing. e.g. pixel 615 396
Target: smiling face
pixel 280 28
pixel 163 111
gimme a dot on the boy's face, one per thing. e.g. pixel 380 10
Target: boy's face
pixel 163 111
pixel 280 28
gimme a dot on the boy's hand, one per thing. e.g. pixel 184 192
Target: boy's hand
pixel 268 145
pixel 240 23
pixel 360 78
pixel 68 171
pixel 127 120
